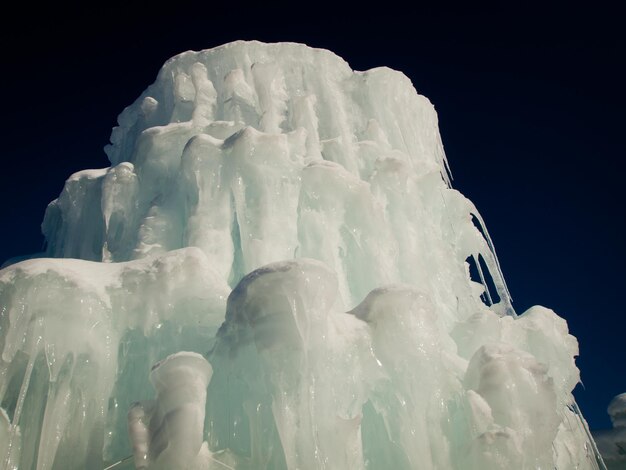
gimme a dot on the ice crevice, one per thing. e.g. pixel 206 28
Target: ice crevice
pixel 273 274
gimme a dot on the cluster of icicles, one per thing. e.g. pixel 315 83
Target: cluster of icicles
pixel 275 273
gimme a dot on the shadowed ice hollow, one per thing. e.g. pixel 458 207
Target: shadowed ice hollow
pixel 275 273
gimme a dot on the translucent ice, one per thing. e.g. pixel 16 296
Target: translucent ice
pixel 291 222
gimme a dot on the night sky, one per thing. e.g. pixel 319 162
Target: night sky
pixel 531 110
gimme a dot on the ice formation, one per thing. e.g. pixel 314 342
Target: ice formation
pixel 612 442
pixel 278 234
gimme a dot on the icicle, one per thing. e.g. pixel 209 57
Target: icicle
pixel 482 278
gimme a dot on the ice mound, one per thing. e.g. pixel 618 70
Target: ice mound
pixel 278 236
pixel 612 442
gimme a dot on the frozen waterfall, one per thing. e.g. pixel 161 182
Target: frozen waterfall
pixel 275 273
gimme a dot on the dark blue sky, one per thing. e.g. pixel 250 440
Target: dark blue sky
pixel 531 109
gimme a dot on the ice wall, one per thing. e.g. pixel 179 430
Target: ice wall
pixel 292 221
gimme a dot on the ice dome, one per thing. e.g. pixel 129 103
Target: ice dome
pixel 275 273
pixel 612 442
pixel 617 411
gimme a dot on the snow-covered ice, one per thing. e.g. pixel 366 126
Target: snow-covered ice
pixel 277 234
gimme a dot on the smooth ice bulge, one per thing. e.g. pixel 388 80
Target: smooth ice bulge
pixel 275 273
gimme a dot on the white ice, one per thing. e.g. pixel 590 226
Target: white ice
pixel 291 222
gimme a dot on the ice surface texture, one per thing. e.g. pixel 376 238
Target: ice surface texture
pixel 293 222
